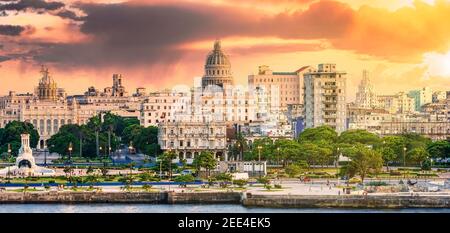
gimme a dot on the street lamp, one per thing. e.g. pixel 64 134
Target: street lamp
pixel 278 151
pixel 404 156
pixel 259 159
pixel 9 155
pixel 45 155
pixel 239 151
pixel 9 151
pixel 70 151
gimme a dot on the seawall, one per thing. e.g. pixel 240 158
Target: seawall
pixel 122 197
pixel 346 201
pixel 267 201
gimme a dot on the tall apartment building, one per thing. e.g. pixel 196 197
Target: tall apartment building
pixel 325 97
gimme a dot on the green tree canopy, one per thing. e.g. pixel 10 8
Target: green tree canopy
pixel 358 136
pixel 321 133
pixel 439 149
pixel 11 135
pixel 363 161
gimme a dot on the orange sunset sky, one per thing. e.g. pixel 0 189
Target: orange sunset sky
pixel 405 44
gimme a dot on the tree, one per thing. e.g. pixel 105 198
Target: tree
pixel 439 149
pixel 363 161
pixel 321 133
pixel 167 158
pixel 184 178
pixel 293 170
pixel 267 149
pixel 206 160
pixel 418 155
pixel 359 136
pixel 11 135
pixel 388 154
pixel 240 183
pixel 224 179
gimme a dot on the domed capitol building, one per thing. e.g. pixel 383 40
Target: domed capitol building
pixel 217 68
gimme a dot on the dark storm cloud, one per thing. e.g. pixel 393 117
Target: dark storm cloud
pixel 132 34
pixel 23 5
pixel 4 58
pixel 67 14
pixel 11 30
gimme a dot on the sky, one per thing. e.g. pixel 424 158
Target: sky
pixel 156 44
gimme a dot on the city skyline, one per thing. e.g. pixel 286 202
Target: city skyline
pixel 78 44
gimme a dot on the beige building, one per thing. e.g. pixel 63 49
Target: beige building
pixel 325 93
pixel 160 107
pixel 398 103
pixel 279 89
pixel 367 118
pixel 49 107
pixel 190 138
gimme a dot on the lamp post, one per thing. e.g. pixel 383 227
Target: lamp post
pixel 45 155
pixel 170 164
pixel 9 155
pixel 337 157
pixel 239 151
pixel 100 148
pixel 404 156
pixel 278 156
pixel 9 151
pixel 70 151
pixel 259 159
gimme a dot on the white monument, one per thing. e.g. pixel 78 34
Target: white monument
pixel 25 164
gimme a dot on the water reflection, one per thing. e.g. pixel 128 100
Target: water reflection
pixel 161 208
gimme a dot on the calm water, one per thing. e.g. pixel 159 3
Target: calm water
pixel 151 208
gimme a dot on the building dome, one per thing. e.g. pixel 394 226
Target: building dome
pixel 217 68
pixel 217 57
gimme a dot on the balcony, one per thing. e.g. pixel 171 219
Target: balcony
pixel 329 116
pixel 329 86
pixel 329 101
pixel 330 94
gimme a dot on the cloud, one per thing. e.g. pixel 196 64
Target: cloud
pixel 135 34
pixel 438 64
pixel 402 35
pixel 23 5
pixel 12 30
pixel 4 58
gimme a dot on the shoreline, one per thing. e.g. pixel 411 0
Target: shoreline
pixel 242 198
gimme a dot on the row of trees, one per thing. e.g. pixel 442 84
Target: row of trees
pixel 112 131
pixel 322 145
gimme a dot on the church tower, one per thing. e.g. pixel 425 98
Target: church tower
pixel 47 89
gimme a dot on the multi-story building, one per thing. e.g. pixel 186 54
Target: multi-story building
pixel 434 129
pixel 439 95
pixel 325 104
pixel 281 88
pixel 189 138
pixel 160 107
pixel 49 107
pixel 397 103
pixel 365 97
pixel 421 97
pixel 367 118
